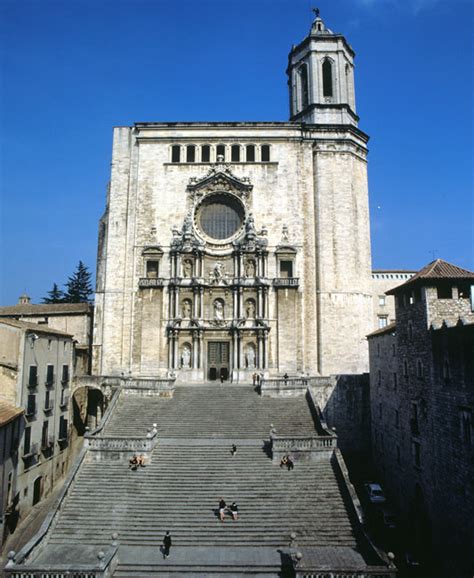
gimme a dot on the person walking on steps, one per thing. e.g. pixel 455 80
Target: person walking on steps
pixel 233 450
pixel 166 545
pixel 222 509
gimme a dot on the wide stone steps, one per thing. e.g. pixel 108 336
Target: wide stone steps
pixel 212 412
pixel 179 492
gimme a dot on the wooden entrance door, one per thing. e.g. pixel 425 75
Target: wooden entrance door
pixel 218 360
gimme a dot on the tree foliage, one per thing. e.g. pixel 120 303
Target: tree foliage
pixel 55 295
pixel 78 288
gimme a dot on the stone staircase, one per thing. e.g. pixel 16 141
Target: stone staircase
pixel 212 412
pixel 190 469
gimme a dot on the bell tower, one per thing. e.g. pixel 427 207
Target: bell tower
pixel 321 78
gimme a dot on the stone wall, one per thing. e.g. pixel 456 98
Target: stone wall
pixel 312 195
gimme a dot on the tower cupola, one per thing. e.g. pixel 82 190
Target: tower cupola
pixel 321 78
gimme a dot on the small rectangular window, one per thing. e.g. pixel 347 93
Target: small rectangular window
pixel 62 428
pixel 27 441
pixel 190 154
pixel 33 376
pixel 286 269
pixel 65 375
pixel 50 375
pixel 235 153
pixel 152 269
pixel 445 292
pixel 175 153
pixel 44 435
pixel 265 153
pixel 383 322
pixel 205 153
pixel 382 300
pixel 250 150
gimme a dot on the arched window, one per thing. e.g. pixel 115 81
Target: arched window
pixel 190 154
pixel 235 153
pixel 175 153
pixel 205 153
pixel 303 71
pixel 327 78
pixel 250 149
pixel 265 153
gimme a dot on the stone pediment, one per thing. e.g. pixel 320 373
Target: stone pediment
pixel 219 178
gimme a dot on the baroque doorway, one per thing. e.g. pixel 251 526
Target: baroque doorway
pixel 218 360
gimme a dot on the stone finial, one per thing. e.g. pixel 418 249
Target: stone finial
pixel 316 12
pixel 100 555
pixel 11 555
pixel 114 539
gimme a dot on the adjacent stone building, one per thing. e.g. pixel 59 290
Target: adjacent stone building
pixel 422 404
pixel 72 318
pixel 233 247
pixel 11 425
pixel 383 304
pixel 35 373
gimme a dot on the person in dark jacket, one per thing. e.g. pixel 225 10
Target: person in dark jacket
pixel 166 545
pixel 222 509
pixel 234 510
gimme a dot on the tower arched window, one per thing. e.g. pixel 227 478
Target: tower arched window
pixel 190 154
pixel 303 71
pixel 175 153
pixel 327 78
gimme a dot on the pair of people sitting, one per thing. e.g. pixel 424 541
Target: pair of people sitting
pixel 287 461
pixel 136 462
pixel 233 509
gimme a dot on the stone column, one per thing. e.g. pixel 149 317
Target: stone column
pixel 259 302
pixel 201 302
pixel 200 350
pixel 241 304
pixel 195 350
pixel 176 351
pixel 265 350
pixel 176 302
pixel 259 351
pixel 235 302
pixel 235 346
pixel 195 302
pixel 170 350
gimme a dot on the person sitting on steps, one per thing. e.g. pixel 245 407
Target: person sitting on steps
pixel 222 509
pixel 234 510
pixel 133 462
pixel 284 461
pixel 141 460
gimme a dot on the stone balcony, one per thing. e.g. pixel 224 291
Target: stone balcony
pixel 285 283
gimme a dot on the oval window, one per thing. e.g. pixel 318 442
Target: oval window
pixel 220 216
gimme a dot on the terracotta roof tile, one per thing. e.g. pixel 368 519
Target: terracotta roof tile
pixel 8 412
pixel 387 329
pixel 437 269
pixel 45 309
pixel 34 327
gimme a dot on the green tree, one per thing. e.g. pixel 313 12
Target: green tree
pixel 78 287
pixel 54 296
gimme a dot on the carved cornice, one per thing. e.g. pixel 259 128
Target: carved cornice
pixel 219 178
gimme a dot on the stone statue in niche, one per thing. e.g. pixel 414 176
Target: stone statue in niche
pixel 186 356
pixel 250 309
pixel 187 268
pixel 217 273
pixel 250 268
pixel 284 234
pixel 218 310
pixel 250 356
pixel 186 308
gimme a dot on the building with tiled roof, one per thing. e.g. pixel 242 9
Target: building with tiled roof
pixel 422 412
pixel 72 318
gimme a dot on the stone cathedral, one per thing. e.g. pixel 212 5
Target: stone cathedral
pixel 230 248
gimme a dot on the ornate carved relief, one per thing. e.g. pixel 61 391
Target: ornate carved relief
pixel 219 178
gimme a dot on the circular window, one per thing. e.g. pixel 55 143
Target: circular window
pixel 220 216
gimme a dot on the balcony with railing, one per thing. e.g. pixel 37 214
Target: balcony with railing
pixel 286 282
pixel 150 282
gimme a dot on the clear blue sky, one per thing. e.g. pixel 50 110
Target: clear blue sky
pixel 73 69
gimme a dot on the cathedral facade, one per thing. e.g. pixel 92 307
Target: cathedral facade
pixel 231 248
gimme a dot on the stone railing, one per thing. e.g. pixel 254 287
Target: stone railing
pixel 103 567
pixel 291 385
pixel 292 282
pixel 302 447
pixel 107 414
pixel 122 444
pixel 148 386
pixel 147 283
